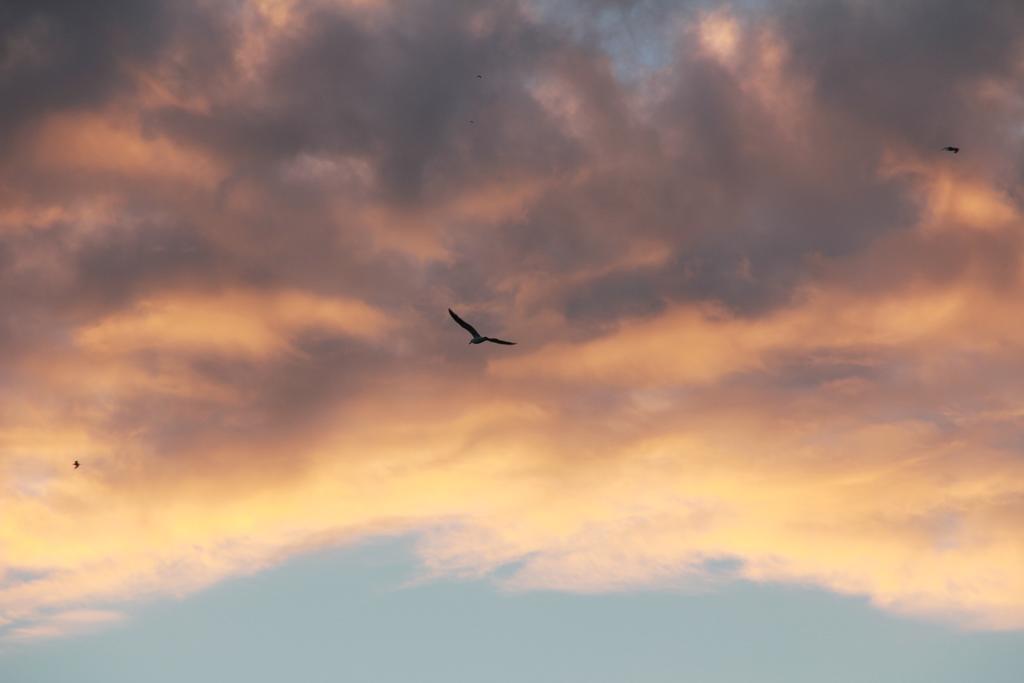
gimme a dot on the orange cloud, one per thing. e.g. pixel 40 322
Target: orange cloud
pixel 954 200
pixel 705 343
pixel 241 322
pixel 111 142
pixel 719 35
pixel 894 511
pixel 858 430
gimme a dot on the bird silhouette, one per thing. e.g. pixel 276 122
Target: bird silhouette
pixel 479 76
pixel 954 150
pixel 77 464
pixel 477 337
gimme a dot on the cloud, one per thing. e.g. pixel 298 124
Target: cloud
pixel 767 329
pixel 63 624
pixel 240 323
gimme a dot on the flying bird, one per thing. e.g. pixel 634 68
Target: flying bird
pixel 479 76
pixel 954 150
pixel 77 464
pixel 477 339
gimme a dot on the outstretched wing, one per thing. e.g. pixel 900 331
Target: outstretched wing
pixel 499 341
pixel 463 324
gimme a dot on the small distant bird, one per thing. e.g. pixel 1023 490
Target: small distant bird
pixel 954 150
pixel 477 339
pixel 472 121
pixel 479 76
pixel 77 464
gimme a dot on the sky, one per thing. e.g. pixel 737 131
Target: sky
pixel 766 392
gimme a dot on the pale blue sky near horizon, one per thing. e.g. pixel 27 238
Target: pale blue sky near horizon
pixel 351 614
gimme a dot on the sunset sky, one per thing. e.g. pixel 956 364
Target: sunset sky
pixel 765 417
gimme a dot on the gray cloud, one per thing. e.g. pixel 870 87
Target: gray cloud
pixel 60 54
pixel 743 204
